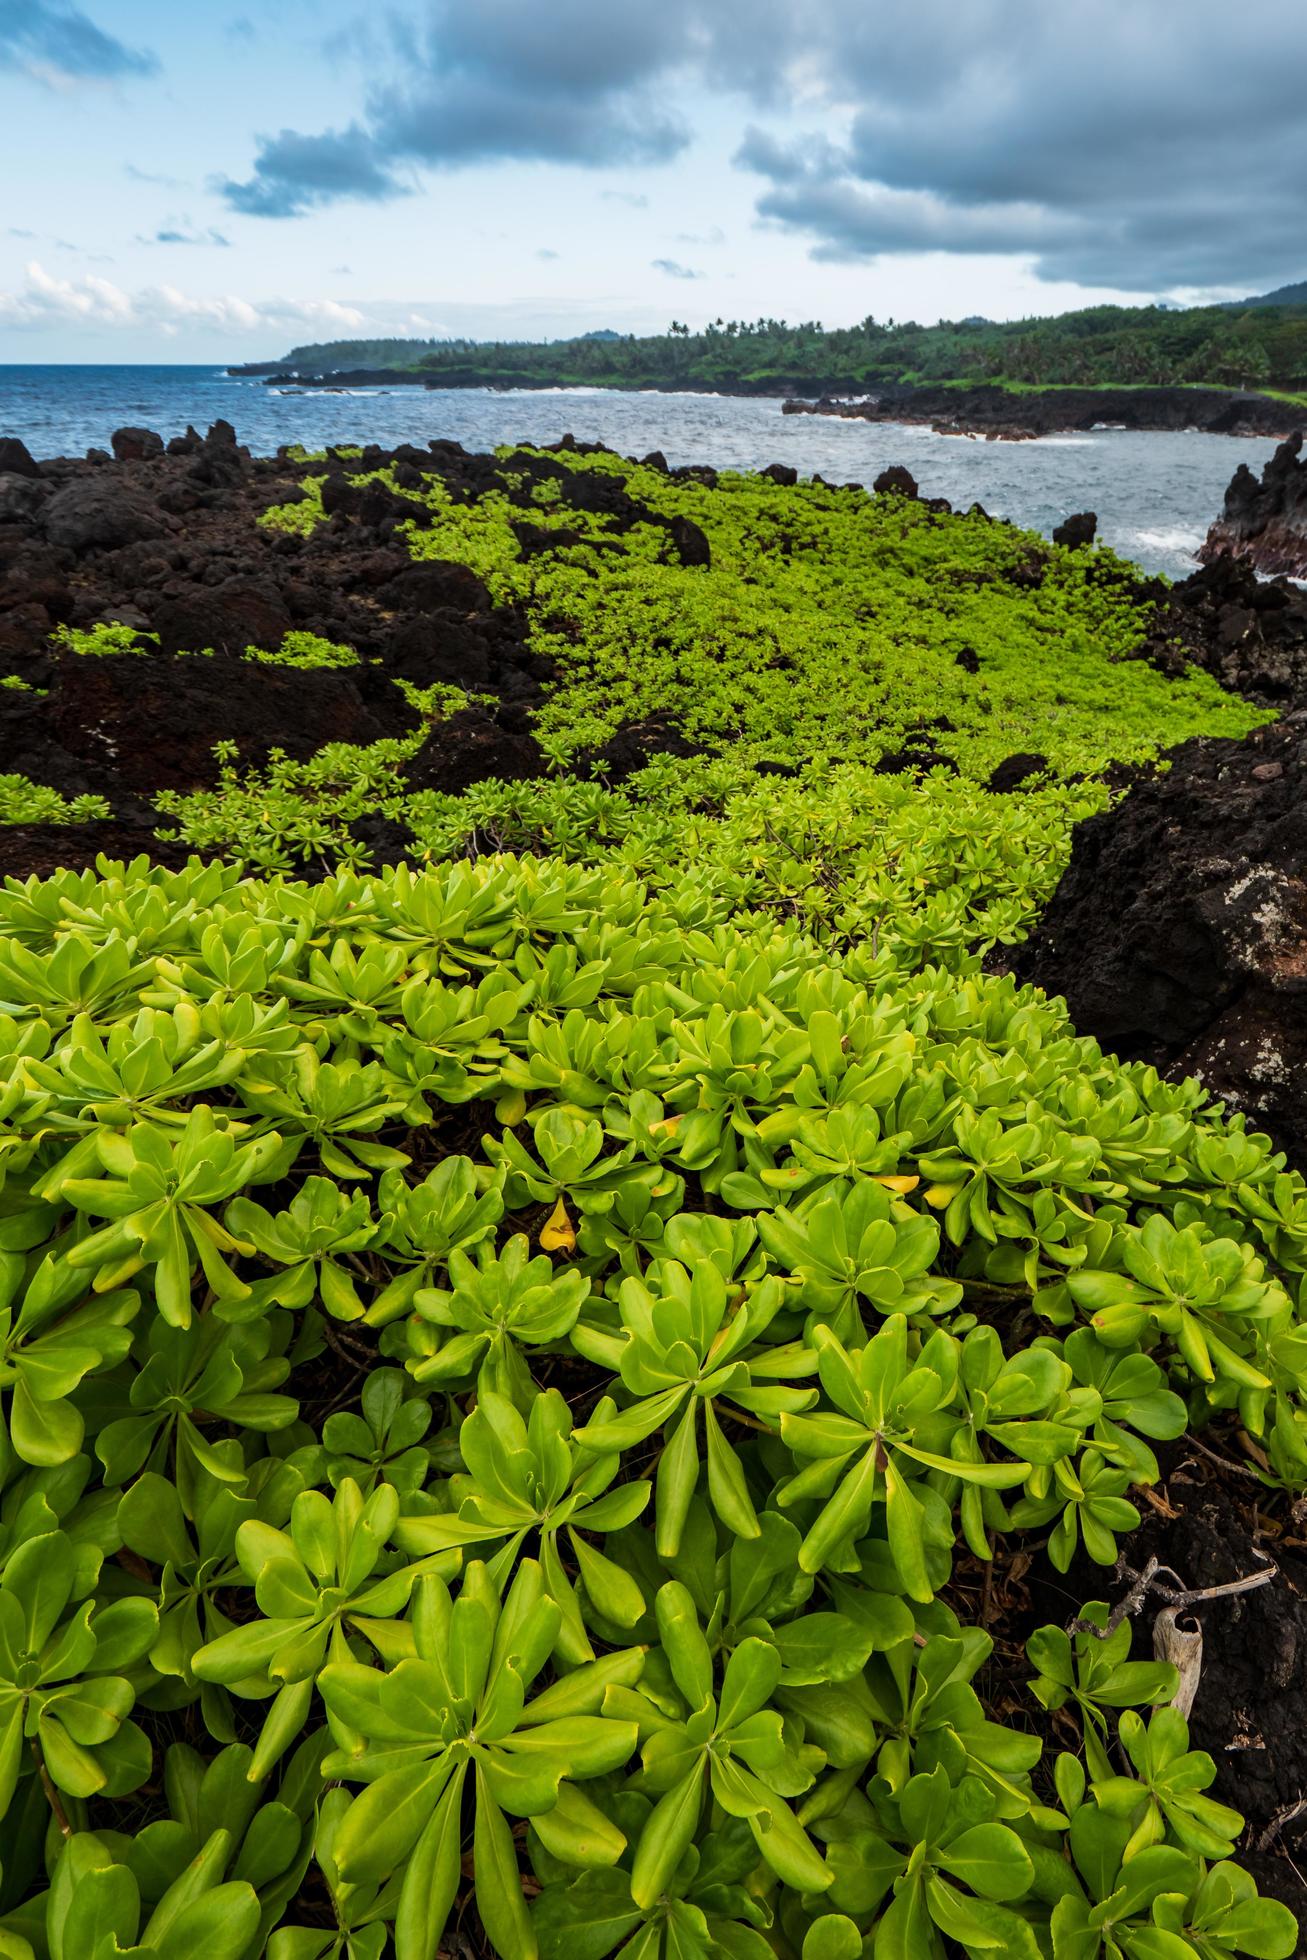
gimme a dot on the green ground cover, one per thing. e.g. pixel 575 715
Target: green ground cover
pixel 507 1361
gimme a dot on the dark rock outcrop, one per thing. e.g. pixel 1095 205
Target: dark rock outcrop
pixel 135 445
pixel 101 513
pixel 897 480
pixel 1178 934
pixel 1265 521
pixel 1077 531
pixel 1018 771
pixel 989 410
pixel 16 459
pixel 1250 632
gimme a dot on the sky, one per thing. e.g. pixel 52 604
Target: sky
pixel 196 182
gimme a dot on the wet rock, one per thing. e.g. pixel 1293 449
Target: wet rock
pixel 1178 934
pixel 1077 531
pixel 1265 521
pixel 135 445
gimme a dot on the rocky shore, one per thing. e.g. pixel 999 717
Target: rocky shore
pixel 1265 521
pixel 1002 416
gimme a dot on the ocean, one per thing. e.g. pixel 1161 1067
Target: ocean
pixel 1155 495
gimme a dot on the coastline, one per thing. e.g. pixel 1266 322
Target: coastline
pixel 1000 415
pixel 983 410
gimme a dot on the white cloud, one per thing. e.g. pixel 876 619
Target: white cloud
pixel 45 300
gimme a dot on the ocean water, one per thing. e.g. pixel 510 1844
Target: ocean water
pixel 1155 495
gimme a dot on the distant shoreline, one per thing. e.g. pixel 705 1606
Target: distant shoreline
pixel 994 412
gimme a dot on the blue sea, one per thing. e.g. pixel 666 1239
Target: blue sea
pixel 1155 495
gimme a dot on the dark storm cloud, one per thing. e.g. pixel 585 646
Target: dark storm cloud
pixel 1146 149
pixel 57 42
pixel 579 82
pixel 1148 146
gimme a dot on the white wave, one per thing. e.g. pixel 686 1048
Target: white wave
pixel 1173 537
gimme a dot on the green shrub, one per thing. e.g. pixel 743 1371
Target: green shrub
pixel 23 801
pixel 728 1286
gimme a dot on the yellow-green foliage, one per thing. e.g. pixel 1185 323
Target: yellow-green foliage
pixel 23 801
pixel 300 649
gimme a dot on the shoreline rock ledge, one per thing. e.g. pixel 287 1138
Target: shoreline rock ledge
pixel 1265 522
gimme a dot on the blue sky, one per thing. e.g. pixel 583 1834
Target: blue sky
pixel 194 182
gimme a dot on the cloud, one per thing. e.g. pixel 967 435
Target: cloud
pixel 58 44
pixel 546 252
pixel 184 234
pixel 294 174
pixel 1143 150
pixel 44 300
pixel 580 82
pixel 1127 155
pixel 151 177
pixel 674 269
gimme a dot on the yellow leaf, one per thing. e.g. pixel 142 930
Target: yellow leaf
pixel 511 1108
pixel 558 1234
pixel 900 1184
pixel 940 1195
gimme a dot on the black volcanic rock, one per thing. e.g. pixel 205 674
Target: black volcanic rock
pixel 1077 531
pixel 896 479
pixel 986 409
pixel 135 445
pixel 1266 522
pixel 16 459
pixel 1178 934
pixel 1250 632
pixel 100 513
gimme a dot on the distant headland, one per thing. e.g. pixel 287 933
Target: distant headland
pixel 1238 369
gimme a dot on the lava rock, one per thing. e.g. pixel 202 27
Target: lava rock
pixel 434 585
pixel 229 617
pixel 1249 632
pixel 1016 771
pixel 1266 521
pixel 472 747
pixel 16 459
pixel 20 497
pixel 136 445
pixel 1077 531
pixel 100 513
pixel 635 744
pixel 691 543
pixel 1178 934
pixel 896 479
pixel 783 473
